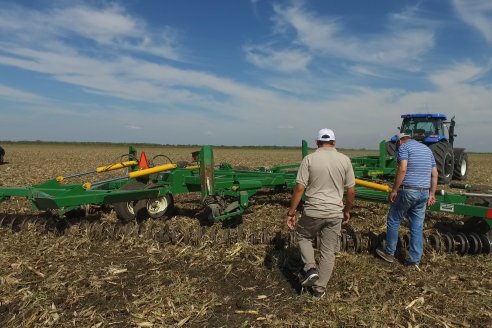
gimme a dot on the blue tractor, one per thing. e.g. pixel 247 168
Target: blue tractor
pixel 434 131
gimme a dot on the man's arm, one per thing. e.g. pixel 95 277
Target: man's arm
pixel 349 201
pixel 432 192
pixel 294 202
pixel 400 175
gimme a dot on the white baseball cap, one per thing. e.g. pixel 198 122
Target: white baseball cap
pixel 326 135
pixel 402 135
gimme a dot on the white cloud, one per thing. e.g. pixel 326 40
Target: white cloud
pixel 19 95
pixel 458 73
pixel 406 39
pixel 108 26
pixel 284 61
pixel 477 13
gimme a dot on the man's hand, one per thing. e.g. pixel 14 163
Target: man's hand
pixel 291 222
pixel 346 217
pixel 392 196
pixel 432 200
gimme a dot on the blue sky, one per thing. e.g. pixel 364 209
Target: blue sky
pixel 242 72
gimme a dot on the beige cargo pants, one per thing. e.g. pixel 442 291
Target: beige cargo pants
pixel 329 231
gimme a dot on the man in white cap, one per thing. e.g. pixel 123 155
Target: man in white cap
pixel 323 175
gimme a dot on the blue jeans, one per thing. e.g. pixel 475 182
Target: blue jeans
pixel 411 203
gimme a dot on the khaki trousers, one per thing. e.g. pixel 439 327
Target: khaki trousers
pixel 329 231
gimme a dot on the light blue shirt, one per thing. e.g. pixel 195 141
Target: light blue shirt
pixel 420 163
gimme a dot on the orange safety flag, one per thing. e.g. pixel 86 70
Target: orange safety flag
pixel 142 163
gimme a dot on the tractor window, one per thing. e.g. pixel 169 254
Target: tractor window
pixel 439 129
pixel 419 128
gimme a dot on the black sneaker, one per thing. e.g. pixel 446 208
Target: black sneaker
pixel 318 293
pixel 412 264
pixel 310 277
pixel 382 254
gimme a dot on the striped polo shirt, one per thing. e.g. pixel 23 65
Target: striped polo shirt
pixel 420 163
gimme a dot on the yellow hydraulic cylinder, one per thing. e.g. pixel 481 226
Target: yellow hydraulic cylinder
pixel 100 169
pixel 151 170
pixel 133 175
pixel 115 166
pixel 372 185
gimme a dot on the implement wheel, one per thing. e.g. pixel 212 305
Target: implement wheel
pixel 443 154
pixel 155 208
pixel 2 154
pixel 125 210
pixel 461 165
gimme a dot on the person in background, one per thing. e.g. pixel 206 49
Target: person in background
pixel 323 176
pixel 414 188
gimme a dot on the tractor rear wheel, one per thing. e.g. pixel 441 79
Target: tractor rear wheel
pixel 390 148
pixel 460 164
pixel 443 154
pixel 125 210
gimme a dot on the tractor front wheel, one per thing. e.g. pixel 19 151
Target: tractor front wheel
pixel 390 148
pixel 443 154
pixel 460 164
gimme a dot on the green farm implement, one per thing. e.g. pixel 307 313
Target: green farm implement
pixel 225 192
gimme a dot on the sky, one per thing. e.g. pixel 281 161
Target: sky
pixel 242 72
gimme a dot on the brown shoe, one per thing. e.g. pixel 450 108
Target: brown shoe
pixel 382 254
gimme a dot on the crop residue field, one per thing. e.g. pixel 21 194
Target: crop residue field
pixel 81 279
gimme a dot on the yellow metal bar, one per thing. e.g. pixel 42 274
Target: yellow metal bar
pixel 99 169
pixel 373 185
pixel 192 167
pixel 115 166
pixel 151 170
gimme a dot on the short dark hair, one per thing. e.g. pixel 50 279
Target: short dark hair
pixel 331 142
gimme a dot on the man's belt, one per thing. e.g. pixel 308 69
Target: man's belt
pixel 414 188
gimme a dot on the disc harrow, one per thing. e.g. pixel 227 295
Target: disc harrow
pixel 350 241
pixel 146 194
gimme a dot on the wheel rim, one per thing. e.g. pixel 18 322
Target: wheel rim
pixel 157 207
pixel 129 206
pixel 448 166
pixel 463 167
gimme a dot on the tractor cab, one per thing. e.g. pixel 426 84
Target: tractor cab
pixel 427 128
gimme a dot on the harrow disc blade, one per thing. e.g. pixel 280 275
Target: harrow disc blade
pixel 448 242
pixel 475 243
pixel 435 242
pixel 462 245
pixel 486 243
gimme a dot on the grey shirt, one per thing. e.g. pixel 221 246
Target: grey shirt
pixel 325 174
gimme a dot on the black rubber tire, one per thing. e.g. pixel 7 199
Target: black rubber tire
pixel 124 210
pixel 390 148
pixel 2 154
pixel 444 156
pixel 142 213
pixel 461 164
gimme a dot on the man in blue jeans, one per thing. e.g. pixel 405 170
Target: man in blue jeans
pixel 414 188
